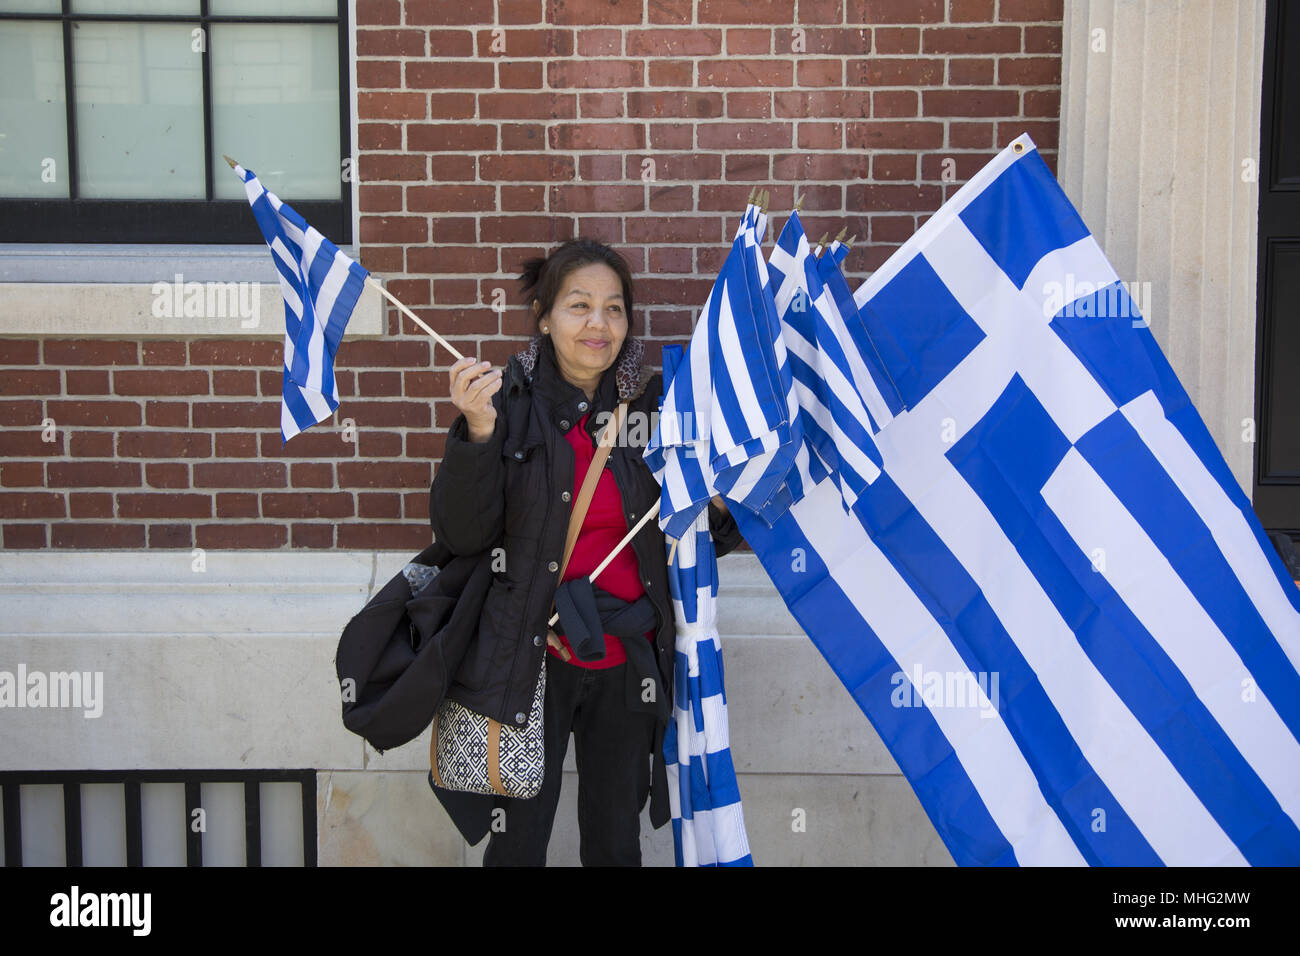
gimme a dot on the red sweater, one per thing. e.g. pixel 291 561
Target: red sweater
pixel 603 528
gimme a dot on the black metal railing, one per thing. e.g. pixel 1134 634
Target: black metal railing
pixel 133 822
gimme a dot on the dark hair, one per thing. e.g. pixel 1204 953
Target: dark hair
pixel 542 278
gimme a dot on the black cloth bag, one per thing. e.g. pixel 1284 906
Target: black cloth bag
pixel 400 651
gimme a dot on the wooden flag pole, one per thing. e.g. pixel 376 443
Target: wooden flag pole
pixel 370 281
pixel 413 317
pixel 617 548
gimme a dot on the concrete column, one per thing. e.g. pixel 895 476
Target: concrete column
pixel 1159 146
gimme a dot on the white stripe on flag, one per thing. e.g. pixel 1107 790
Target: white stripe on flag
pixel 294 234
pixel 862 379
pixel 702 400
pixel 729 832
pixel 1141 575
pixel 288 353
pixel 1231 532
pixel 316 402
pixel 702 843
pixel 715 718
pixel 734 357
pixel 252 188
pixel 983 744
pixel 325 299
pixel 288 426
pixel 310 246
pixel 291 299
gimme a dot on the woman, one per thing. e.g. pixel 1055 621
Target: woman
pixel 515 459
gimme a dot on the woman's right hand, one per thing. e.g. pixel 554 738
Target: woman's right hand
pixel 472 388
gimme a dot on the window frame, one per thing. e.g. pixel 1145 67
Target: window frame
pixel 206 221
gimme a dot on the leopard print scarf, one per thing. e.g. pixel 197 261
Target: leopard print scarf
pixel 629 373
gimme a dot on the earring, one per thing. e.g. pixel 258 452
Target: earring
pixel 544 330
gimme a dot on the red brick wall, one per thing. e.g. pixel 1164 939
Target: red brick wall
pixel 471 159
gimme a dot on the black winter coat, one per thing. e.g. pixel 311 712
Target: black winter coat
pixel 515 491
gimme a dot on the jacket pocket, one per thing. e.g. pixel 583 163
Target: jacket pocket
pixel 520 448
pixel 480 670
pixel 528 483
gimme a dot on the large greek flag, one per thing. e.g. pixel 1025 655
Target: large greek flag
pixel 321 286
pixel 1054 603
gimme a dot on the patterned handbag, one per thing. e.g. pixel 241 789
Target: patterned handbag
pixel 472 752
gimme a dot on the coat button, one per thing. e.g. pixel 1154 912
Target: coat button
pixel 647 582
pixel 552 566
pixel 564 424
pixel 565 496
pixel 520 717
pixel 582 406
pixel 537 640
pixel 519 456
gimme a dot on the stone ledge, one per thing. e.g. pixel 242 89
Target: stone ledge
pixel 233 666
pixel 393 819
pixel 245 308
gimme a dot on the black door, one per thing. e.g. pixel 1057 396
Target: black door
pixel 1277 340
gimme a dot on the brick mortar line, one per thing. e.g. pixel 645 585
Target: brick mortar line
pixel 544 26
pixel 865 91
pixel 685 121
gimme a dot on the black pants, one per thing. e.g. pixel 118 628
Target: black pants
pixel 613 756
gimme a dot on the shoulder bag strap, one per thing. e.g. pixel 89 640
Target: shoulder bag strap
pixel 588 489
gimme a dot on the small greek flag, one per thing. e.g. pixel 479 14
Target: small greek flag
pixel 834 394
pixel 726 426
pixel 321 287
pixel 708 821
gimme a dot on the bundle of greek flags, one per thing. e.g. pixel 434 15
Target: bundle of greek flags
pixel 1007 529
pixel 708 823
pixel 321 286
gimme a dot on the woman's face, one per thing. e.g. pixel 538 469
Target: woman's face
pixel 588 322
